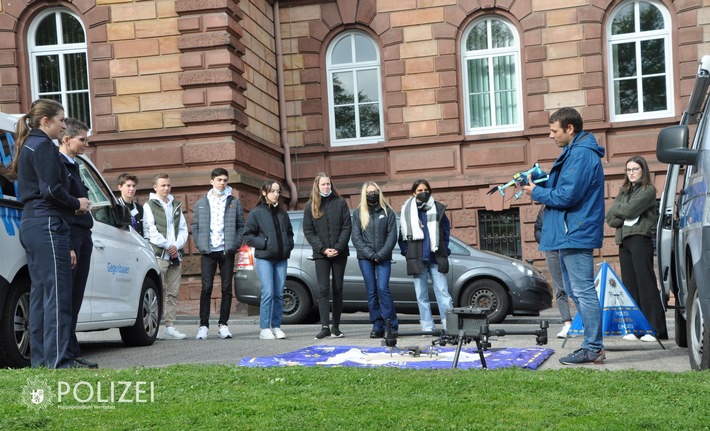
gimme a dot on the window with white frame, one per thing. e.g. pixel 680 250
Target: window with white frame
pixel 491 76
pixel 640 59
pixel 354 89
pixel 58 61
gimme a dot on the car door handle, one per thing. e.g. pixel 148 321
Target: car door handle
pixel 99 245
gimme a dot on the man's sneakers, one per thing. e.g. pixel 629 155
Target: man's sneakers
pixel 224 332
pixel 630 337
pixel 564 331
pixel 278 333
pixel 202 333
pixel 335 332
pixel 582 357
pixel 171 333
pixel 648 338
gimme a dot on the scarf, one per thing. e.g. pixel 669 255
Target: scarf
pixel 412 226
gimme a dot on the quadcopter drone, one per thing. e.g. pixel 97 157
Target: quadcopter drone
pixel 521 179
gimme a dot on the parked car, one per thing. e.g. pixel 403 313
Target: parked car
pixel 476 278
pixel 124 288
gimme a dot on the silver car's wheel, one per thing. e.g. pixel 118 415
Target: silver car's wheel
pixel 297 303
pixel 488 295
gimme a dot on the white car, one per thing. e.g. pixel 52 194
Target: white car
pixel 124 289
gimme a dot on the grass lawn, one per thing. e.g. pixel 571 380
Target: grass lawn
pixel 192 397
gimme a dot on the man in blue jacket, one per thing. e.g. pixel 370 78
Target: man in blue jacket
pixel 574 223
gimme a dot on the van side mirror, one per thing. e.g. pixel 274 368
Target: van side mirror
pixel 672 146
pixel 122 215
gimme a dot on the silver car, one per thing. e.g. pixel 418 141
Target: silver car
pixel 476 278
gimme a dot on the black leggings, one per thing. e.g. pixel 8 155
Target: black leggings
pixel 324 268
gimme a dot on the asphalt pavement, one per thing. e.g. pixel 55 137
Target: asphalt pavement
pixel 106 348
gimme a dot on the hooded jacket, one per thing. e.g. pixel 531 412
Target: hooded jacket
pixel 574 197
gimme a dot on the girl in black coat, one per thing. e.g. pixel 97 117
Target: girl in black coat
pixel 327 226
pixel 268 230
pixel 374 237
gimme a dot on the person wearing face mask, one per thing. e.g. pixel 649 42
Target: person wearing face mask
pixel 634 214
pixel 374 236
pixel 327 227
pixel 424 241
pixel 269 232
pixel 217 227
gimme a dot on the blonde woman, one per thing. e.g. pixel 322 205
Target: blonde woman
pixel 327 226
pixel 374 236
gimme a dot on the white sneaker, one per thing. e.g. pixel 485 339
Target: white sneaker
pixel 278 333
pixel 202 333
pixel 266 334
pixel 649 338
pixel 171 333
pixel 631 337
pixel 224 332
pixel 563 332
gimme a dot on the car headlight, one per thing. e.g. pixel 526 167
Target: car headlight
pixel 524 269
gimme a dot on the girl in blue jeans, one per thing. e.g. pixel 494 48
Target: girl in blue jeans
pixel 268 230
pixel 374 234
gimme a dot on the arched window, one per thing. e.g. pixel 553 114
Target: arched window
pixel 354 89
pixel 58 62
pixel 639 47
pixel 491 76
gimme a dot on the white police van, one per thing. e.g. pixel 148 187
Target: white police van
pixel 124 289
pixel 683 235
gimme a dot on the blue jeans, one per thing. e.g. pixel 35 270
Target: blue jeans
pixel 561 298
pixel 272 274
pixel 578 274
pixel 379 299
pixel 441 291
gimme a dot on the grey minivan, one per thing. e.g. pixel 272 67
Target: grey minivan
pixel 476 278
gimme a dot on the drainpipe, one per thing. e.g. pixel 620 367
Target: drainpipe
pixel 282 109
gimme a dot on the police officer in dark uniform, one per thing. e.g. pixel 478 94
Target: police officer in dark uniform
pixel 43 185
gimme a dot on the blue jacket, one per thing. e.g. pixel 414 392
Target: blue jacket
pixel 574 197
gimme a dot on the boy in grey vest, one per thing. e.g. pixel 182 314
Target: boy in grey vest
pixel 165 228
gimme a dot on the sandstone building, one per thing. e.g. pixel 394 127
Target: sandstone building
pixel 455 91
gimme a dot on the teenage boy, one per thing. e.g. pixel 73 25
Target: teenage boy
pixel 127 186
pixel 217 228
pixel 165 228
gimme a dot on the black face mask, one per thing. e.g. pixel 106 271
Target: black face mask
pixel 423 197
pixel 373 199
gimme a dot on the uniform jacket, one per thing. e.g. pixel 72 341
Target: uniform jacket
pixel 637 202
pixel 43 181
pixel 332 230
pixel 378 239
pixel 78 190
pixel 268 230
pixel 574 197
pixel 233 225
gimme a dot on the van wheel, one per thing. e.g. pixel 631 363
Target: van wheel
pixel 150 308
pixel 297 303
pixel 697 329
pixel 488 295
pixel 15 326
